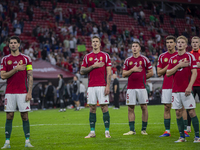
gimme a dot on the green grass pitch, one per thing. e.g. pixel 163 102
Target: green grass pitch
pixel 53 130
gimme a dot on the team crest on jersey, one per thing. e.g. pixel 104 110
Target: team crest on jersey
pixel 101 58
pixel 90 59
pixel 140 63
pixel 9 62
pixel 175 61
pixel 21 62
pixel 130 63
pixel 166 59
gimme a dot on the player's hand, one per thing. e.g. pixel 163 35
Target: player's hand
pixel 183 63
pixel 28 97
pixel 98 64
pixel 198 64
pixel 188 91
pixel 20 67
pixel 137 69
pixel 107 90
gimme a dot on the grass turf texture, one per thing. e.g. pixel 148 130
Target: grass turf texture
pixel 53 130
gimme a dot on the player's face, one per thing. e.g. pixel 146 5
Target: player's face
pixel 170 44
pixel 181 44
pixel 14 45
pixel 96 43
pixel 135 48
pixel 195 44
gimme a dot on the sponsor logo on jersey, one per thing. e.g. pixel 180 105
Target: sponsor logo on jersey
pixel 140 63
pixel 175 61
pixel 90 59
pixel 15 62
pixel 106 101
pixel 166 59
pixel 130 63
pixel 27 107
pixel 9 62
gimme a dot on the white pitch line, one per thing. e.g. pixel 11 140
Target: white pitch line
pixel 69 124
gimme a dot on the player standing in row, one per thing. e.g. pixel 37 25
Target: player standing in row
pixel 166 98
pixel 183 68
pixel 16 68
pixel 196 86
pixel 137 68
pixel 97 65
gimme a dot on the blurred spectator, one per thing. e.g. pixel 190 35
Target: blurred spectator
pixel 29 12
pixel 3 44
pixel 6 50
pixel 21 6
pixel 82 93
pixel 44 53
pixel 176 32
pixel 17 28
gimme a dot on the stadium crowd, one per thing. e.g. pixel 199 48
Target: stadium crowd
pixel 58 41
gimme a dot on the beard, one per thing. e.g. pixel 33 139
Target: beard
pixel 14 50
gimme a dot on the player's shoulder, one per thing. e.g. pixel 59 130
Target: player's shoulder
pixel 104 53
pixel 6 57
pixel 190 55
pixel 144 57
pixel 128 58
pixel 89 54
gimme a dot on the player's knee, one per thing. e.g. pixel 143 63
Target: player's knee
pixel 24 116
pixel 192 113
pixel 92 108
pixel 167 108
pixel 144 107
pixel 10 116
pixel 178 113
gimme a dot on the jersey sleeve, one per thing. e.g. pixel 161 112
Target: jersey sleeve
pixel 29 64
pixel 3 64
pixel 84 63
pixel 193 63
pixel 125 65
pixel 108 61
pixel 159 62
pixel 148 64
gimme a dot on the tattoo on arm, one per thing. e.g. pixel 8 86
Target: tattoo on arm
pixel 30 80
pixel 86 70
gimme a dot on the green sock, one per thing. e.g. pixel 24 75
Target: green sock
pixel 132 125
pixel 167 124
pixel 180 124
pixel 106 120
pixel 185 125
pixel 144 125
pixel 195 123
pixel 8 129
pixel 92 120
pixel 26 128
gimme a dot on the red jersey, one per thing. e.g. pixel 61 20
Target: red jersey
pixel 98 76
pixel 197 56
pixel 137 80
pixel 182 76
pixel 17 83
pixel 6 50
pixel 163 61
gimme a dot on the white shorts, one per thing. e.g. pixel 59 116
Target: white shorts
pixel 97 93
pixel 166 96
pixel 179 100
pixel 139 94
pixel 14 100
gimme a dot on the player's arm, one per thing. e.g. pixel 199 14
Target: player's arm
pixel 149 73
pixel 161 71
pixel 6 75
pixel 182 64
pixel 192 80
pixel 127 73
pixel 30 84
pixel 115 88
pixel 107 89
pixel 86 70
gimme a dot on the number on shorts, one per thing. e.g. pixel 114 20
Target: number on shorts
pixel 172 99
pixel 127 96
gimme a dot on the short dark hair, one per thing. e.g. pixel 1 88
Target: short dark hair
pixel 61 76
pixel 14 38
pixel 94 37
pixel 136 43
pixel 170 37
